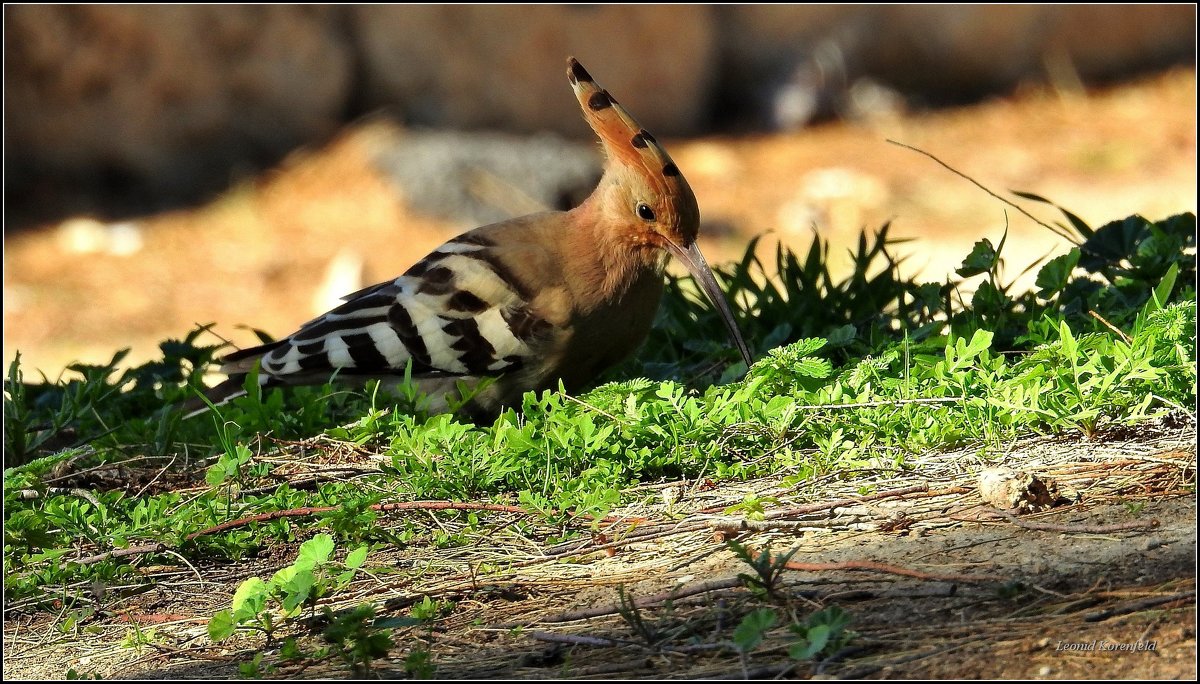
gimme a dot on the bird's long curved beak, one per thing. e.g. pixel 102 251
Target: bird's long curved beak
pixel 698 267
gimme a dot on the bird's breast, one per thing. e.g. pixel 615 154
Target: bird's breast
pixel 608 333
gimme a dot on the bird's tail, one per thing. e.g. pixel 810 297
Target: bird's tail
pixel 222 393
pixel 237 365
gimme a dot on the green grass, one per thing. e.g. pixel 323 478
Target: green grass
pixel 853 372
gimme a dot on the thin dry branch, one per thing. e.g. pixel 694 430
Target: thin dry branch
pixel 1057 231
pixel 1136 606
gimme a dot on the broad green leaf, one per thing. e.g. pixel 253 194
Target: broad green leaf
pixel 802 650
pixel 249 599
pixel 1113 242
pixel 285 574
pixel 297 590
pixel 989 300
pixel 749 634
pixel 357 557
pixel 316 551
pixel 1055 275
pixel 842 336
pixel 835 617
pixel 982 259
pixel 220 626
pixel 818 636
pixel 215 474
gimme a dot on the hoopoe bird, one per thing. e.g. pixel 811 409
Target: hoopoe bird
pixel 523 303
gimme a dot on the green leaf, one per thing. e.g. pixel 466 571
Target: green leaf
pixel 290 650
pixel 357 557
pixel 297 590
pixel 842 336
pixel 981 259
pixel 989 300
pixel 818 636
pixel 1079 224
pixel 1162 292
pixel 811 367
pixel 215 474
pixel 220 626
pixel 249 598
pixel 315 551
pixel 808 345
pixel 1069 348
pixel 749 634
pixel 835 617
pixel 1055 275
pixel 285 574
pixel 1113 242
pixel 981 341
pixel 802 650
pixel 29 527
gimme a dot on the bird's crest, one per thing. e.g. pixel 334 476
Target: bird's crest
pixel 626 143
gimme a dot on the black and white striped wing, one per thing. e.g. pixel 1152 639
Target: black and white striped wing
pixel 457 312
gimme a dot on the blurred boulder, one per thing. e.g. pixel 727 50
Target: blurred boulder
pixel 783 65
pixel 496 66
pixel 1108 41
pixel 964 51
pixel 160 99
pixel 479 177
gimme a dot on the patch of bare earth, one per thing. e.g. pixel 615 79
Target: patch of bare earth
pixel 937 583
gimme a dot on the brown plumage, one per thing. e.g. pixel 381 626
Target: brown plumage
pixel 528 301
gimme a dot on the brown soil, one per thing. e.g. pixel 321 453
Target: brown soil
pixel 261 254
pixel 1112 566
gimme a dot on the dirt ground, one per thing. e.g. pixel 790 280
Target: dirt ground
pixel 279 248
pixel 966 593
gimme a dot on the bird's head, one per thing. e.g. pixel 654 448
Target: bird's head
pixel 641 188
pixel 643 191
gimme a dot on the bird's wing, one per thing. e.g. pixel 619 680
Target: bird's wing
pixel 461 311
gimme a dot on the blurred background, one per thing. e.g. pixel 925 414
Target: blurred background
pixel 246 165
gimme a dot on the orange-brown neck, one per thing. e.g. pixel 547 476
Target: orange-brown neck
pixel 606 253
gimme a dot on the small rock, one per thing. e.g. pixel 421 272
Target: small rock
pixel 1009 489
pixel 1154 543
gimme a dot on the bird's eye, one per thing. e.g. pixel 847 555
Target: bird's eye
pixel 645 212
